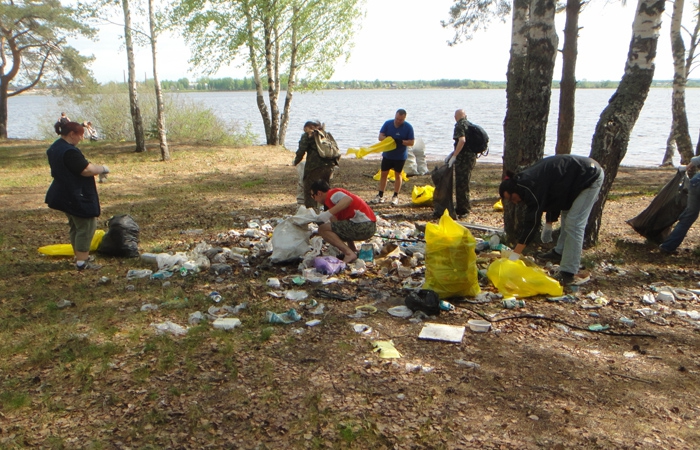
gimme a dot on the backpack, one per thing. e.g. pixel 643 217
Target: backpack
pixel 477 140
pixel 326 145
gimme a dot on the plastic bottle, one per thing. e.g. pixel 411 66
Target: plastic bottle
pixel 511 303
pixel 366 252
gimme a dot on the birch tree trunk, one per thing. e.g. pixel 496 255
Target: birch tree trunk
pixel 530 94
pixel 681 134
pixel 259 97
pixel 272 91
pixel 292 77
pixel 160 108
pixel 136 118
pixel 567 90
pixel 613 130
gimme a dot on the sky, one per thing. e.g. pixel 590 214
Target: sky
pixel 404 40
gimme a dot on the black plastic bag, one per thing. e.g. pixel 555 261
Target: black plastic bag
pixel 442 197
pixel 122 238
pixel 655 222
pixel 424 300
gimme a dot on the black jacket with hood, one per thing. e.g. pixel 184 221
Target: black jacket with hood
pixel 551 185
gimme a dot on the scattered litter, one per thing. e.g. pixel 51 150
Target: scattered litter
pixel 318 310
pixel 369 309
pixel 665 296
pixel 235 309
pixel 313 323
pixel 63 303
pixel 215 296
pixel 479 326
pixel 626 321
pixel 296 295
pixel 333 295
pixel 138 273
pixel 646 312
pixel 386 349
pixel 446 306
pixel 648 299
pixel 424 300
pixel 226 323
pixel 400 311
pixel 149 307
pixel 330 280
pixel 362 328
pixel 418 317
pixel 629 354
pixel 533 417
pixel 487 297
pixel 195 318
pixel 287 317
pixel 442 332
pixel 169 327
pixel 418 368
pixel 357 315
pixel 598 327
pixel 511 303
pixel 562 327
pixel 274 283
pixel 274 294
pixel 298 280
pixel 563 299
pixel 130 287
pixel 217 312
pixel 161 275
pixel 313 276
pixel 328 265
pixel 103 280
pixel 467 364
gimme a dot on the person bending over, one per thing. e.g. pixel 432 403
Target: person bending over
pixel 347 218
pixel 561 184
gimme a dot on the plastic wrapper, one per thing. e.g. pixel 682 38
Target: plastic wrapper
pixel 450 259
pixel 514 278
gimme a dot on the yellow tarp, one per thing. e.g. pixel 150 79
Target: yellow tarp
pixel 67 249
pixel 381 146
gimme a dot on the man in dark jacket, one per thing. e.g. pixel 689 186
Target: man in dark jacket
pixel 566 185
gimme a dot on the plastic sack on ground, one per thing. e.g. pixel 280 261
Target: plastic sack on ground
pixel 411 167
pixel 422 195
pixel 328 265
pixel 450 259
pixel 386 145
pixel 289 241
pixel 654 223
pixel 514 278
pixel 67 249
pixel 391 176
pixel 122 238
pixel 498 206
pixel 442 196
pixel 304 216
pixel 419 151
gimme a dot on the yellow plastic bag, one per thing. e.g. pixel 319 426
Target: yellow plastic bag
pixel 382 146
pixel 422 195
pixel 391 176
pixel 498 206
pixel 514 278
pixel 67 249
pixel 450 259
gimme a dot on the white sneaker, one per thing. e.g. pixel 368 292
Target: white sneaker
pixel 376 200
pixel 395 200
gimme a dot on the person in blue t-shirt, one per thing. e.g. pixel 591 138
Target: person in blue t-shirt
pixel 402 132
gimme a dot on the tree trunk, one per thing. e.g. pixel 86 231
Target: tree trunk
pixel 567 90
pixel 3 108
pixel 160 120
pixel 284 122
pixel 136 119
pixel 259 98
pixel 670 145
pixel 681 134
pixel 272 91
pixel 514 122
pixel 618 118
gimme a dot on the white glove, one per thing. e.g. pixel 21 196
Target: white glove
pixel 546 233
pixel 451 162
pixel 325 216
pixel 101 178
pixel 514 256
pixel 105 169
pixel 448 157
pixel 682 169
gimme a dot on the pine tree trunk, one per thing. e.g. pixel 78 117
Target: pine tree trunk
pixel 681 134
pixel 136 118
pixel 567 90
pixel 618 118
pixel 160 120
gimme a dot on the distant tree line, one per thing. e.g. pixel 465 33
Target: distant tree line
pixel 248 84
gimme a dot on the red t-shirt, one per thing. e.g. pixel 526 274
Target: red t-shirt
pixel 357 205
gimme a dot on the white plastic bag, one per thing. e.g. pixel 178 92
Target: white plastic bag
pixel 289 241
pixel 304 216
pixel 419 152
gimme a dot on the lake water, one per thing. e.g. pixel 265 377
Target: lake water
pixel 355 117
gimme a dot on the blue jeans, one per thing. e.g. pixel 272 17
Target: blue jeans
pixel 687 217
pixel 573 226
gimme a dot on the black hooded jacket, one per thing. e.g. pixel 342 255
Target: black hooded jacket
pixel 551 185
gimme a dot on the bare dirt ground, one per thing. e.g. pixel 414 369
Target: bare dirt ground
pixel 95 375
